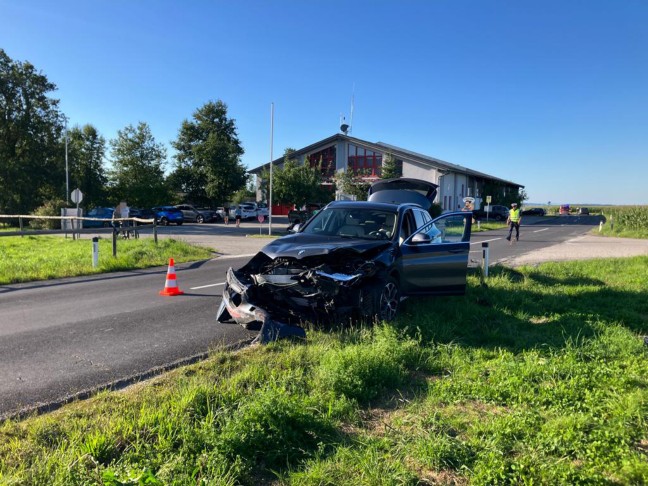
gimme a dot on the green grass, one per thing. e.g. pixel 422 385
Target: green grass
pixel 30 258
pixel 488 226
pixel 537 376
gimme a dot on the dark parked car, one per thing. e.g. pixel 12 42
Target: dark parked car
pixel 302 215
pixel 352 260
pixel 495 212
pixel 583 211
pixel 142 214
pixel 168 214
pixel 192 213
pixel 103 215
pixel 533 212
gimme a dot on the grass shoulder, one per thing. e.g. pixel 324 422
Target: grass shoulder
pixel 538 375
pixel 30 258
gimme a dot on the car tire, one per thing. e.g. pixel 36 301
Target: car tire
pixel 106 225
pixel 164 221
pixel 381 300
pixel 179 224
pixel 200 219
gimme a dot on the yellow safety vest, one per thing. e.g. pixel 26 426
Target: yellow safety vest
pixel 514 215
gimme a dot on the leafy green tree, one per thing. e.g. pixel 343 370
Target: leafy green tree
pixel 295 183
pixel 391 167
pixel 501 194
pixel 352 184
pixel 32 168
pixel 208 166
pixel 86 151
pixel 138 162
pixel 244 194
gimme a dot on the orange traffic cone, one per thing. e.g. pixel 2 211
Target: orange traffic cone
pixel 171 286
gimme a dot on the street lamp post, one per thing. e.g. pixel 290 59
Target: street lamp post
pixel 67 173
pixel 271 143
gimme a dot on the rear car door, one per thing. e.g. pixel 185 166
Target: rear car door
pixel 436 262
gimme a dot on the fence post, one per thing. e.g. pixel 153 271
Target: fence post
pixel 155 230
pixel 20 223
pixel 114 241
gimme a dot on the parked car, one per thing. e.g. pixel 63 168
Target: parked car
pixel 352 260
pixel 533 212
pixel 248 211
pixel 496 212
pixel 103 215
pixel 142 213
pixel 583 211
pixel 192 214
pixel 262 210
pixel 303 214
pixel 168 214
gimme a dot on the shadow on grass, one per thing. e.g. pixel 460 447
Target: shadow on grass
pixel 523 318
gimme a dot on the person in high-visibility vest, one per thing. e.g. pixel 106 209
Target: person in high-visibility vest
pixel 514 219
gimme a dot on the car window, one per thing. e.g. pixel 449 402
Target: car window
pixel 408 226
pixel 364 223
pixel 446 229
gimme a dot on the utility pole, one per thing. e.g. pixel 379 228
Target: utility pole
pixel 67 173
pixel 271 142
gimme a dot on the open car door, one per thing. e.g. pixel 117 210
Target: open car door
pixel 435 257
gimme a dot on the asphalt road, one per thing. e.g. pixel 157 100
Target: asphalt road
pixel 62 339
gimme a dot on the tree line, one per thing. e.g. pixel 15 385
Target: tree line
pixel 206 168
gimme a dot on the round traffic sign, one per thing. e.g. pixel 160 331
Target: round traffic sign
pixel 261 218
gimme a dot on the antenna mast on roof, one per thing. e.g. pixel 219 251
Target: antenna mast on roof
pixel 352 103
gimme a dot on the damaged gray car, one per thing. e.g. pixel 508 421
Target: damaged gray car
pixel 352 261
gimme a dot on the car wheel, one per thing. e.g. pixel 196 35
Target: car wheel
pixel 179 223
pixel 164 221
pixel 380 301
pixel 106 225
pixel 200 219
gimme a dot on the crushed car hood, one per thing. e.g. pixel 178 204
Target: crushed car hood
pixel 303 245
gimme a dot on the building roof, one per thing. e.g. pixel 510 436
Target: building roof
pixel 397 152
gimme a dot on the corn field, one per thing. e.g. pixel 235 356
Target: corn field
pixel 626 218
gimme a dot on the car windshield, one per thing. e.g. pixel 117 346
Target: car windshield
pixel 364 223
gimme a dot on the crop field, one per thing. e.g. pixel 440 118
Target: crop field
pixel 539 375
pixel 628 221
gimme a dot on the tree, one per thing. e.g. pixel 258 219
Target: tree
pixel 502 194
pixel 31 150
pixel 138 162
pixel 295 183
pixel 86 151
pixel 208 161
pixel 352 184
pixel 391 167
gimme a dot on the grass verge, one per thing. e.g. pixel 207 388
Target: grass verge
pixel 30 258
pixel 538 376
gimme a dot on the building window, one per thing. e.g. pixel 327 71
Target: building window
pixel 326 160
pixel 363 162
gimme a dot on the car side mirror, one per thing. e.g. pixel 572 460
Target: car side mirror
pixel 420 238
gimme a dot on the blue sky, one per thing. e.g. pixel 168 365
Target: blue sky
pixel 549 94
